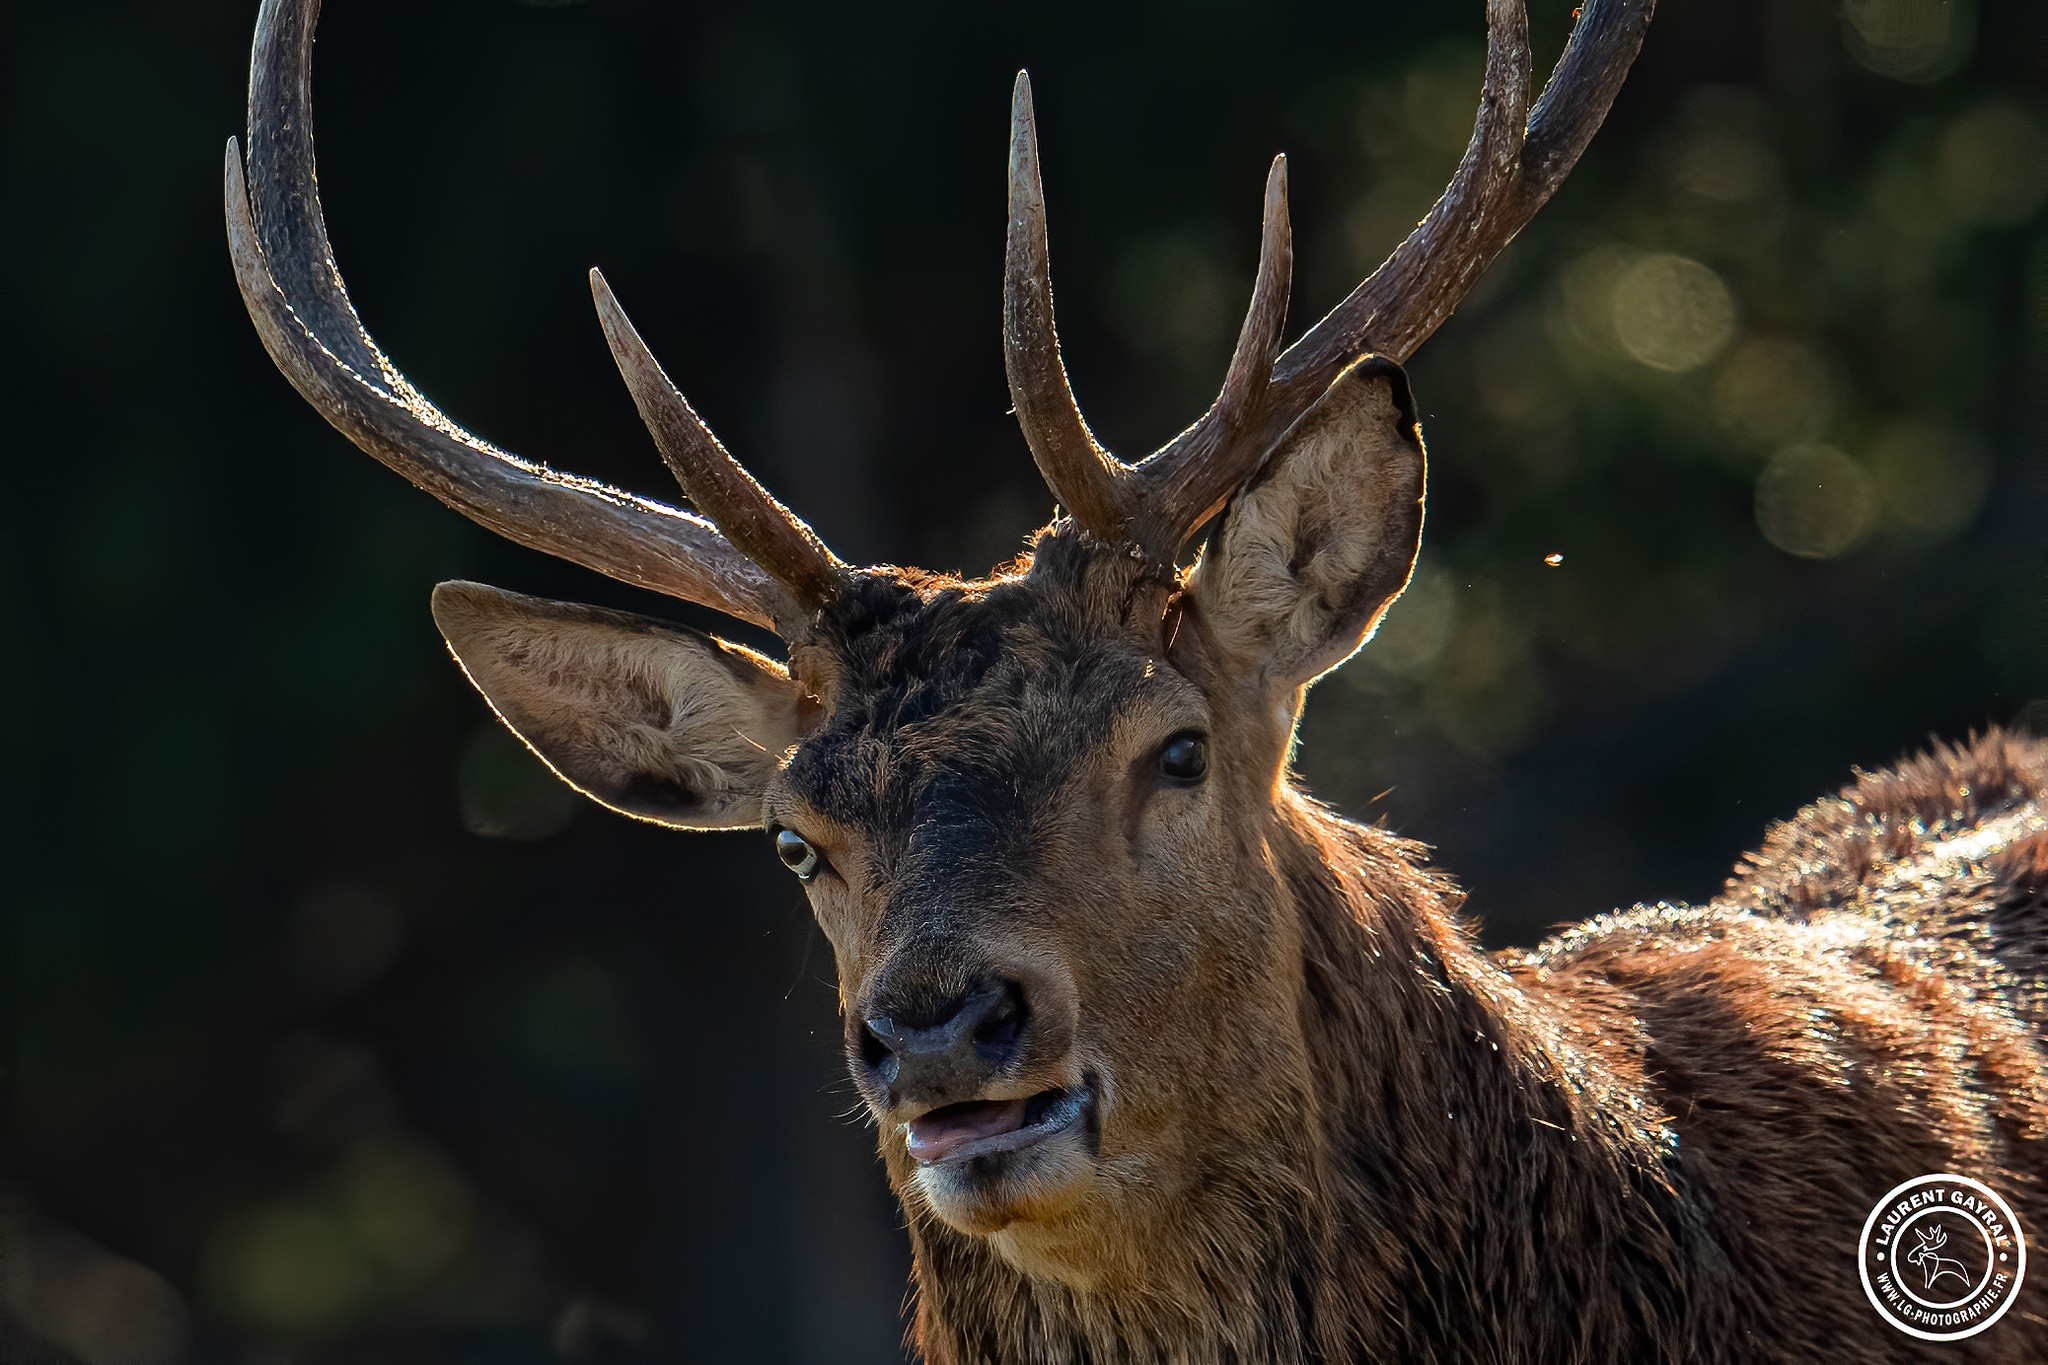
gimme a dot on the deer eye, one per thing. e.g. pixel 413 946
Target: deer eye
pixel 797 854
pixel 1185 757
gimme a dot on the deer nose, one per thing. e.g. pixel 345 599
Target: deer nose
pixel 943 1052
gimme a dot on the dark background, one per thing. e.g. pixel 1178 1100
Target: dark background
pixel 340 1033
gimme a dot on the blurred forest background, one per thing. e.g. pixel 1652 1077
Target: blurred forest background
pixel 340 1033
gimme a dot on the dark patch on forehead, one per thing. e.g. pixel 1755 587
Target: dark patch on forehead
pixel 947 692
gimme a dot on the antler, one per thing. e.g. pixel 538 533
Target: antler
pixel 1088 480
pixel 1191 477
pixel 1516 159
pixel 773 571
pixel 767 532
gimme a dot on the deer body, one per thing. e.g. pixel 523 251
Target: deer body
pixel 1926 1254
pixel 1168 1062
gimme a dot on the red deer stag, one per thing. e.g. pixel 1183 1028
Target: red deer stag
pixel 1169 1062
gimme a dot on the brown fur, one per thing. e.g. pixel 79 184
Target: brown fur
pixel 1655 1137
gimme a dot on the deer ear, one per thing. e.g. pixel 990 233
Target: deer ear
pixel 650 719
pixel 1309 556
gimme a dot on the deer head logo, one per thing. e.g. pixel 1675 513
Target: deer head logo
pixel 1926 1255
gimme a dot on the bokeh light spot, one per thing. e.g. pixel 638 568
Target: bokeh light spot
pixel 1436 97
pixel 407 1206
pixel 1418 625
pixel 1584 315
pixel 287 1268
pixel 1813 501
pixel 1920 41
pixel 1725 166
pixel 1486 693
pixel 1672 313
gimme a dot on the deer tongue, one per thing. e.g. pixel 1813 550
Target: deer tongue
pixel 937 1135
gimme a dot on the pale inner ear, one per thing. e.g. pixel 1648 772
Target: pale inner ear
pixel 1309 557
pixel 650 719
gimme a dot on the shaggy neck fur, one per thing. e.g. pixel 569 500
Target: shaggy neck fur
pixel 1462 1169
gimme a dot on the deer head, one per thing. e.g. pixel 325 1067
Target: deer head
pixel 1929 1243
pixel 1036 814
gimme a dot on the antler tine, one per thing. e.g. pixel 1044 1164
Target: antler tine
pixel 1187 481
pixel 295 296
pixel 1417 286
pixel 762 528
pixel 1512 165
pixel 291 228
pixel 1086 479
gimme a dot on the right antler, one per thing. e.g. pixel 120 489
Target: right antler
pixel 753 559
pixel 1514 162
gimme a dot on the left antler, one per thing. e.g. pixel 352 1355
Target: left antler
pixel 758 562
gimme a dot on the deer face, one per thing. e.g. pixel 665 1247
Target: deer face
pixel 998 816
pixel 1031 815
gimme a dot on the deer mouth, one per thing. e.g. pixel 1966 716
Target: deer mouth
pixel 977 1128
